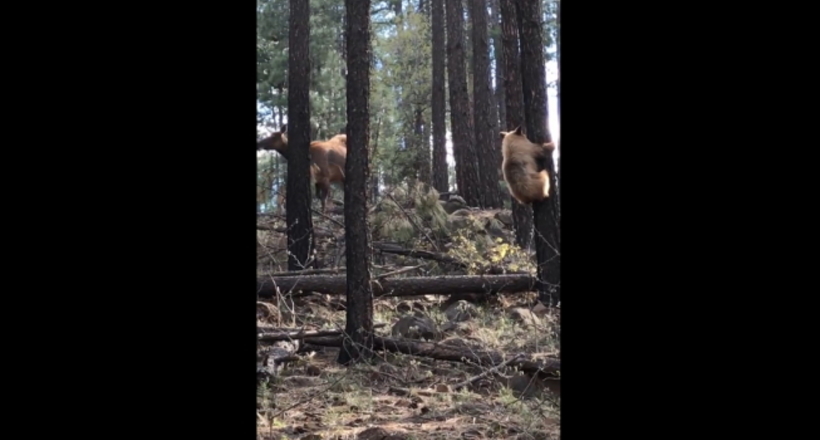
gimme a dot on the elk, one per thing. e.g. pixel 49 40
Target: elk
pixel 327 160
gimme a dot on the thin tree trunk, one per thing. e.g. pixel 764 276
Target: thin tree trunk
pixel 359 320
pixel 461 116
pixel 440 173
pixel 423 130
pixel 486 141
pixel 522 214
pixel 558 61
pixel 419 148
pixel 374 175
pixel 301 240
pixel 495 19
pixel 558 92
pixel 533 81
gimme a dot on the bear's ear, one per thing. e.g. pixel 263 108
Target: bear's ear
pixel 549 146
pixel 517 130
pixel 503 134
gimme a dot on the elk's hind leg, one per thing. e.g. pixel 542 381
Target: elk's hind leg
pixel 322 194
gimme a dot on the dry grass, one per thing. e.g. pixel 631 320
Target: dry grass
pixel 341 402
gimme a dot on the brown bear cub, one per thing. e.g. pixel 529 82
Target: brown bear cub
pixel 524 166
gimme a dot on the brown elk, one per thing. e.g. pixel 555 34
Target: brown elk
pixel 327 160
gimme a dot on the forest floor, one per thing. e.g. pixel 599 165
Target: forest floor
pixel 402 397
pixel 316 398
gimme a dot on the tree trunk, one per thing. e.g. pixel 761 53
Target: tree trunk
pixel 422 147
pixel 440 174
pixel 533 81
pixel 301 241
pixel 558 92
pixel 359 319
pixel 487 146
pixel 468 54
pixel 409 286
pixel 374 176
pixel 514 98
pixel 461 116
pixel 427 167
pixel 558 61
pixel 495 19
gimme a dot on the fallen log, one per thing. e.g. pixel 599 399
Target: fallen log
pixel 440 285
pixel 292 335
pixel 296 273
pixel 391 248
pixel 548 367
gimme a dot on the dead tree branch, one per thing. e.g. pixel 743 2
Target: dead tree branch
pixel 493 370
pixel 549 367
pixel 398 272
pixel 296 273
pixel 413 222
pixel 390 248
pixel 287 336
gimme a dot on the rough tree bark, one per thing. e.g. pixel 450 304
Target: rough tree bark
pixel 358 342
pixel 514 98
pixel 495 19
pixel 441 285
pixel 534 86
pixel 301 241
pixel 487 146
pixel 440 174
pixel 461 116
pixel 558 90
pixel 558 57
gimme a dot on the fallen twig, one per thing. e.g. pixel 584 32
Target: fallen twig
pixel 285 336
pixel 294 273
pixel 493 370
pixel 406 391
pixel 397 272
